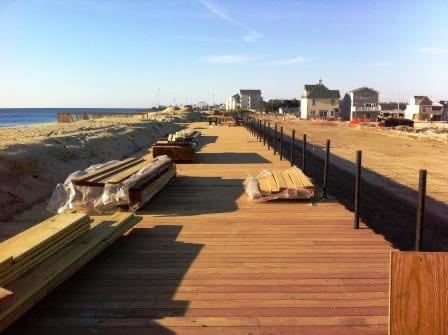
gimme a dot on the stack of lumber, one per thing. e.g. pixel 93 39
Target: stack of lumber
pixel 292 183
pixel 56 267
pixel 113 173
pixel 26 250
pixel 179 146
pixel 158 173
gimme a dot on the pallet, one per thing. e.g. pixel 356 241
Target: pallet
pixel 177 152
pixel 291 181
pixel 36 284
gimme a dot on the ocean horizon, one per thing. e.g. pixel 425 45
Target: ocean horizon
pixel 16 117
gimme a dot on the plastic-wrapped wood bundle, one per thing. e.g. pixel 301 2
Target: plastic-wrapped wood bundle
pixel 291 183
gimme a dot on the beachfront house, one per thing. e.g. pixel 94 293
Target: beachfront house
pixel 319 102
pixel 392 110
pixel 245 99
pixel 444 104
pixel 422 108
pixel 361 104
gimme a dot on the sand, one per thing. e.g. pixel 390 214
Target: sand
pixel 33 159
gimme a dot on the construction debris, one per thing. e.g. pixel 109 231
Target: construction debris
pixel 49 253
pixel 287 184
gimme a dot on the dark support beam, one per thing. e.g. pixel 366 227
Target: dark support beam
pixel 420 210
pixel 264 132
pixel 304 154
pixel 326 166
pixel 357 188
pixel 269 135
pixel 274 144
pixel 291 152
pixel 281 143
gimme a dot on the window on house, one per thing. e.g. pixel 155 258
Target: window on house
pixel 332 101
pixel 332 113
pixel 314 102
pixel 313 112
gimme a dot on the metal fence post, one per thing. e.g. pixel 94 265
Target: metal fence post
pixel 291 155
pixel 274 144
pixel 281 143
pixel 420 210
pixel 304 154
pixel 357 187
pixel 326 166
pixel 264 132
pixel 269 135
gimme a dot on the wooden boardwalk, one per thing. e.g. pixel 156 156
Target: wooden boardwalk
pixel 206 260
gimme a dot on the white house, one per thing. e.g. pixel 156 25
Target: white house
pixel 245 99
pixel 319 102
pixel 423 108
pixel 361 104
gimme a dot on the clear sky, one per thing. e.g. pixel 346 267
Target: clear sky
pixel 118 53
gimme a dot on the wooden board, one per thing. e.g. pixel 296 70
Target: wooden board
pixel 418 293
pixel 305 181
pixel 279 179
pixel 37 283
pixel 121 176
pixel 273 186
pixel 289 183
pixel 37 236
pixel 264 185
pixel 84 180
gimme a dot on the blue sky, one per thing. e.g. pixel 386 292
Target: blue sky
pixel 118 53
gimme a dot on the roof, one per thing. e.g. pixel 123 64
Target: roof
pixel 362 89
pixel 392 106
pixel 250 92
pixel 422 100
pixel 443 102
pixel 320 91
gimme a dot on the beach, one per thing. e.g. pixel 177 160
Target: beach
pixel 33 159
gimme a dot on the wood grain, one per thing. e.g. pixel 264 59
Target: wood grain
pixel 419 293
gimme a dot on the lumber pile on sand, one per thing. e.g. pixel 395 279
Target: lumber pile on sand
pixel 45 255
pixel 291 183
pixel 179 146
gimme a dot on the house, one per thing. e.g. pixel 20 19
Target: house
pixel 392 110
pixel 422 108
pixel 233 103
pixel 360 104
pixel 245 99
pixel 319 102
pixel 444 104
pixel 283 106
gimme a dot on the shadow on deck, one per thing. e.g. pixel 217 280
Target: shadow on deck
pixel 136 279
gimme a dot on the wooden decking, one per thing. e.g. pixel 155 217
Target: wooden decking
pixel 206 260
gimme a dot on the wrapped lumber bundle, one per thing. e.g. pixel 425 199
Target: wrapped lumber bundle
pixel 179 146
pixel 291 183
pixel 114 185
pixel 46 270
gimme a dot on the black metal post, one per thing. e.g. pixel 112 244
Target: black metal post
pixel 304 154
pixel 291 153
pixel 274 144
pixel 326 165
pixel 269 135
pixel 260 129
pixel 420 210
pixel 264 132
pixel 357 187
pixel 281 143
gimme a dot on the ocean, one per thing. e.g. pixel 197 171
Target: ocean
pixel 13 117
